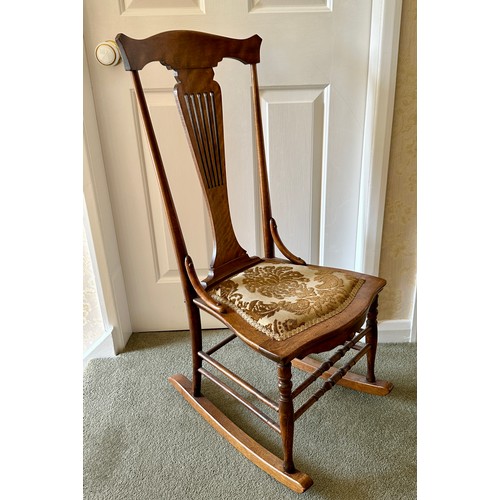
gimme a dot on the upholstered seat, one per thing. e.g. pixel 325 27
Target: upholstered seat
pixel 283 299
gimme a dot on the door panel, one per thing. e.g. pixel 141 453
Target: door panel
pixel 165 116
pixel 293 122
pixel 154 8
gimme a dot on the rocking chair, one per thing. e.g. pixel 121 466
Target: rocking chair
pixel 283 309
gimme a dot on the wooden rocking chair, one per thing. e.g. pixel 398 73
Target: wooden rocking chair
pixel 283 309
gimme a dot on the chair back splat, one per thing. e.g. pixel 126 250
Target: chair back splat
pixel 283 309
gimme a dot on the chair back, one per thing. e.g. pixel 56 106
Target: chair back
pixel 193 56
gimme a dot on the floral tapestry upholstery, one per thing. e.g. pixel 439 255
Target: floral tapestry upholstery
pixel 282 300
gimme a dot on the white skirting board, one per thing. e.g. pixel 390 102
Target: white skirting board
pixel 102 348
pixel 389 331
pixel 395 330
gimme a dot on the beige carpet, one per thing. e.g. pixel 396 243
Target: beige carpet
pixel 143 441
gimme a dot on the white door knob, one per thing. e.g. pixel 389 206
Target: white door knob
pixel 107 53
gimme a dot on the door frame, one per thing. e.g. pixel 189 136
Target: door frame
pixel 102 241
pixel 381 88
pixel 382 66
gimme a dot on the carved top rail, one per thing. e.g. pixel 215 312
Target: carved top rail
pixel 159 47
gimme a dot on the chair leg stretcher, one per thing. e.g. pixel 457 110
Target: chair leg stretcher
pixel 349 380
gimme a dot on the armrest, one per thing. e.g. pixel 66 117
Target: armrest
pixel 199 289
pixel 281 247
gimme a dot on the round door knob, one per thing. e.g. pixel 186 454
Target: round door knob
pixel 107 53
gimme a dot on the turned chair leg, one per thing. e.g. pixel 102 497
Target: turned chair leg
pixel 286 416
pixel 372 340
pixel 196 346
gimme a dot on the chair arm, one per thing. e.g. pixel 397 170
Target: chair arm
pixel 199 289
pixel 281 247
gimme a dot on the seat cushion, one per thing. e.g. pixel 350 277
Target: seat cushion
pixel 282 299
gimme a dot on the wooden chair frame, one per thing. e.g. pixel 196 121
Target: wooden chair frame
pixel 193 55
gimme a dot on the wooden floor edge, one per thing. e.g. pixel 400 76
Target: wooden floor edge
pixel 256 453
pixel 349 380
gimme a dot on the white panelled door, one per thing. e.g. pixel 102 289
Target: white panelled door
pixel 313 77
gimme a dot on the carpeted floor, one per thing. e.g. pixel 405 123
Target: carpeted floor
pixel 143 441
